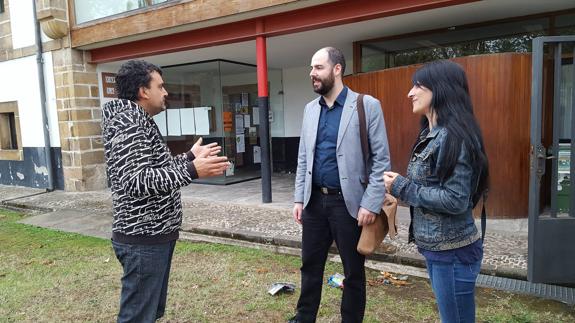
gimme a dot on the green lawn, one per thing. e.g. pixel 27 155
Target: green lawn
pixel 50 276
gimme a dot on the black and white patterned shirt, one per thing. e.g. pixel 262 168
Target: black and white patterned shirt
pixel 144 176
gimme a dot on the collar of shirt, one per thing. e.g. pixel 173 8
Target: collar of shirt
pixel 339 101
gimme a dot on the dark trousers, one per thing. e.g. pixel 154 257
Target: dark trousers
pixel 145 280
pixel 324 220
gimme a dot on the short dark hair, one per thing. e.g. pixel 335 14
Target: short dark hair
pixel 336 57
pixel 132 76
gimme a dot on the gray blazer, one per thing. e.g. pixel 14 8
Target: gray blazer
pixel 349 156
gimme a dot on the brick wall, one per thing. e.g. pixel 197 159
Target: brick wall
pixel 5 32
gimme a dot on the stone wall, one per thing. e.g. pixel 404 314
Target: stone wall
pixel 79 117
pixel 77 100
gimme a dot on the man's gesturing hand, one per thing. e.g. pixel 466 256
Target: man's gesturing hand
pixel 210 166
pixel 211 149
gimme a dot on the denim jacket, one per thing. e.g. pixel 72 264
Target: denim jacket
pixel 441 213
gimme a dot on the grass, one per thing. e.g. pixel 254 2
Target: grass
pixel 51 276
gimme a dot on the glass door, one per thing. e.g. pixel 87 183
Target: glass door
pixel 215 100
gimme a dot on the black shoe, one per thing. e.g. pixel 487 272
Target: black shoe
pixel 293 320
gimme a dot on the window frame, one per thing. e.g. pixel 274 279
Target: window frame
pixel 15 151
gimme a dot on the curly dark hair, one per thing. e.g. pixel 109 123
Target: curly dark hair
pixel 132 76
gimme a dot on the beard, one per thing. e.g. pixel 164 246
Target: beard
pixel 325 85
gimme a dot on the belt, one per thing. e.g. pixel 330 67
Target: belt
pixel 327 190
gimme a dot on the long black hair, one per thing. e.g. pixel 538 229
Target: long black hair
pixel 452 106
pixel 132 76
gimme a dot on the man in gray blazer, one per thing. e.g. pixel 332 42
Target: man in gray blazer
pixel 333 199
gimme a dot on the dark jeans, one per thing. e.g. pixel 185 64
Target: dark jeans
pixel 324 220
pixel 453 284
pixel 145 280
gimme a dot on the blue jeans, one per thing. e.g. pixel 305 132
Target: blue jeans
pixel 145 280
pixel 453 284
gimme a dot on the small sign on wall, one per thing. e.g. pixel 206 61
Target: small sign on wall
pixel 109 85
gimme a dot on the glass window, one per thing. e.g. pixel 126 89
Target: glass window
pixel 565 24
pixel 8 139
pixel 454 42
pixel 87 10
pixel 216 100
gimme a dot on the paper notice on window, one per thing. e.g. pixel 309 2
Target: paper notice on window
pixel 239 124
pixel 160 120
pixel 245 99
pixel 256 115
pixel 257 155
pixel 174 125
pixel 188 121
pixel 202 116
pixel 240 144
pixel 230 170
pixel 247 120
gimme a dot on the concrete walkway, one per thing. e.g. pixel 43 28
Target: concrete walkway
pixel 235 213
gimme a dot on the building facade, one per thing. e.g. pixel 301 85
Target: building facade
pixel 208 53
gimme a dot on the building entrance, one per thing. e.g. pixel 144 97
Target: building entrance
pixel 215 100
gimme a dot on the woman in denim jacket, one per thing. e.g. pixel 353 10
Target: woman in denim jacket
pixel 447 174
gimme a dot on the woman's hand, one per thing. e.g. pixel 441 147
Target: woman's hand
pixel 388 178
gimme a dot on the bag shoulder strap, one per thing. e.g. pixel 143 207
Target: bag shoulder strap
pixel 483 218
pixel 363 131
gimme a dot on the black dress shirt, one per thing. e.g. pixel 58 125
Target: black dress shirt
pixel 325 172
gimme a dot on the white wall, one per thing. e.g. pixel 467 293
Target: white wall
pixel 22 24
pixel 298 92
pixel 277 127
pixel 20 83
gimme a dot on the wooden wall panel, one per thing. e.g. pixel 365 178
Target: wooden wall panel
pixel 500 88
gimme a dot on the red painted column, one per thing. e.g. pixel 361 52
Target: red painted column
pixel 263 104
pixel 262 63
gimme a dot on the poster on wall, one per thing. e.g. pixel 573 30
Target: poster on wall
pixel 187 121
pixel 239 124
pixel 228 123
pixel 245 99
pixel 256 115
pixel 240 143
pixel 202 120
pixel 231 169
